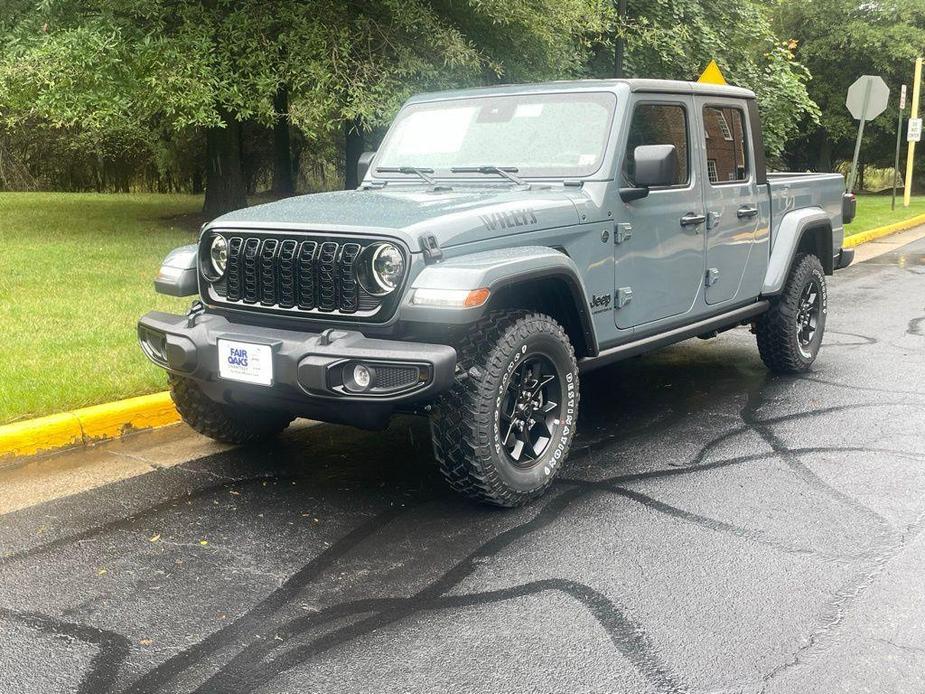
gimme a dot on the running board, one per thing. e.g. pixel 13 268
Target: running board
pixel 685 332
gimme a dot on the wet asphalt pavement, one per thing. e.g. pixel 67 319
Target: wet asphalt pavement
pixel 718 529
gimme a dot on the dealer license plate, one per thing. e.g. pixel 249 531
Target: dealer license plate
pixel 242 361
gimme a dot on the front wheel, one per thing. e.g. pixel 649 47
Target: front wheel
pixel 790 333
pixel 503 431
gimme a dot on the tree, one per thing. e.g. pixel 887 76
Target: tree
pixel 283 179
pixel 147 74
pixel 142 66
pixel 838 41
pixel 375 55
pixel 675 39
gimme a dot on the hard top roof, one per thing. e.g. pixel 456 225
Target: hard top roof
pixel 635 85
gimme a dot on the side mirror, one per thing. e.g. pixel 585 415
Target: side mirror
pixel 363 164
pixel 656 167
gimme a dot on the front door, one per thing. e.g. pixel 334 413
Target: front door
pixel 659 254
pixel 730 196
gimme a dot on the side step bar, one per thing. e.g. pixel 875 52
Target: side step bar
pixel 647 344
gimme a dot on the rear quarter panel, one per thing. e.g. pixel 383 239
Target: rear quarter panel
pixel 795 191
pixel 798 202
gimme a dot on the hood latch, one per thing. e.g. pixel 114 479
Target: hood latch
pixel 430 248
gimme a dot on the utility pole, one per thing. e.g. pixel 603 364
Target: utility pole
pixel 910 150
pixel 619 44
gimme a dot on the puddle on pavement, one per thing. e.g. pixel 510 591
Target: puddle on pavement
pixel 900 260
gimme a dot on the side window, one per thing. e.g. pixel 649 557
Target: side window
pixel 658 124
pixel 727 156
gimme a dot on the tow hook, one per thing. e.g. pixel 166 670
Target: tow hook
pixel 196 309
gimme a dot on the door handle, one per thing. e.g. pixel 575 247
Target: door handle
pixel 747 212
pixel 693 220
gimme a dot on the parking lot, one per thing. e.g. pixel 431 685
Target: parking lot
pixel 718 529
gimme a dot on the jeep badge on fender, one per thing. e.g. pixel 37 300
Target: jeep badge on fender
pixel 599 301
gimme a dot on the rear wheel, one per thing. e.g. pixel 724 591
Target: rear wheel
pixel 790 333
pixel 225 423
pixel 504 430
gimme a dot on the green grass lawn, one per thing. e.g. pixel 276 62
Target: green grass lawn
pixel 874 211
pixel 76 272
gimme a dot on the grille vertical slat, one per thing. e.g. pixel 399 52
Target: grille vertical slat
pixel 268 272
pixel 327 276
pixel 250 272
pixel 233 270
pixel 349 287
pixel 307 275
pixel 287 273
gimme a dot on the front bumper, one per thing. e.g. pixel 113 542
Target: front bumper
pixel 308 368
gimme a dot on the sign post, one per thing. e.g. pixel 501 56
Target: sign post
pixel 867 99
pixel 910 150
pixel 899 134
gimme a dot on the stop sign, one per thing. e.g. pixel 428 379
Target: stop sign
pixel 867 97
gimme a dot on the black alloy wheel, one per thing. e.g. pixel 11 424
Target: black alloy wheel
pixel 529 416
pixel 808 312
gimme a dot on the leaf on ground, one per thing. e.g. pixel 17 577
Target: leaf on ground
pixel 155 537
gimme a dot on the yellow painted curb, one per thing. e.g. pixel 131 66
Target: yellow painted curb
pixel 880 232
pixel 86 425
pixel 116 418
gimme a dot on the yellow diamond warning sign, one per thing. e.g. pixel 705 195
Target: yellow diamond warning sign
pixel 712 75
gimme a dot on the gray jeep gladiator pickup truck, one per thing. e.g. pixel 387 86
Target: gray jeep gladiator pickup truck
pixel 503 242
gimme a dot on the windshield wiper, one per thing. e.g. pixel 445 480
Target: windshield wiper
pixel 418 171
pixel 506 171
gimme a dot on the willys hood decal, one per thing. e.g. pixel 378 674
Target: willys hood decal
pixel 453 217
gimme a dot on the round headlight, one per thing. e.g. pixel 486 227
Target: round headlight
pixel 218 254
pixel 387 266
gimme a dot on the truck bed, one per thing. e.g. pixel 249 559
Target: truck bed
pixel 793 191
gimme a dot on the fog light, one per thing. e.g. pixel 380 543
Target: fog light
pixel 359 378
pixel 362 377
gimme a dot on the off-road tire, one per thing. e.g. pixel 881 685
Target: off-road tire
pixel 777 330
pixel 465 421
pixel 223 423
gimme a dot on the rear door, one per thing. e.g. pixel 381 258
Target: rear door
pixel 730 194
pixel 659 253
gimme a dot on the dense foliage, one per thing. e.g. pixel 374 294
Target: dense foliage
pixel 140 72
pixel 675 40
pixel 838 41
pixel 234 95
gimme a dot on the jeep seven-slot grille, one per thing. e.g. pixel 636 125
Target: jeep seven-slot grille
pixel 317 275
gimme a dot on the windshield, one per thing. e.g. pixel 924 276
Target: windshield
pixel 538 135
